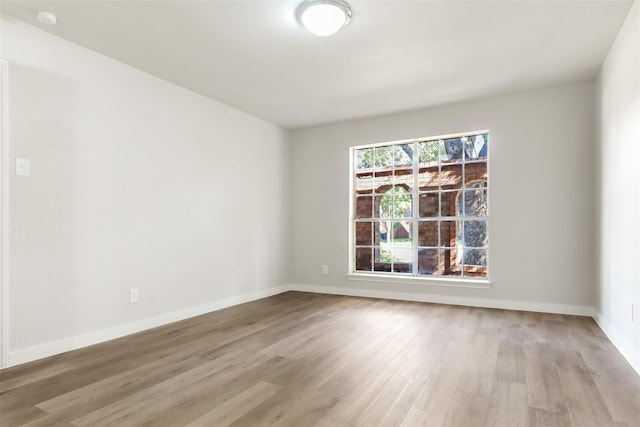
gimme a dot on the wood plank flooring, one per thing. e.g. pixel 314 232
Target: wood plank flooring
pixel 300 359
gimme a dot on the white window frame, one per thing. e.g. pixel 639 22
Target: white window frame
pixel 414 277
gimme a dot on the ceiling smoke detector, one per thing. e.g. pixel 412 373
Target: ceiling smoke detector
pixel 323 17
pixel 47 18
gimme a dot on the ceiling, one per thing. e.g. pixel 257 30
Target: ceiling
pixel 393 56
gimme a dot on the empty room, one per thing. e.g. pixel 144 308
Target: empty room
pixel 320 213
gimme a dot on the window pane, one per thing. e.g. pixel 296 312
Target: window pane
pixel 451 177
pixel 402 234
pixel 402 203
pixel 403 267
pixel 452 265
pixel 428 233
pixel 452 273
pixel 382 267
pixel 382 235
pixel 401 242
pixel 384 254
pixel 448 233
pixel 395 203
pixel 475 262
pixel 476 147
pixel 364 233
pixel 376 206
pixel 380 201
pixel 475 272
pixel 383 259
pixel 363 159
pixel 364 182
pixel 364 207
pixel 483 153
pixel 383 157
pixel 429 205
pixel 390 254
pixel 383 181
pixel 428 178
pixel 363 259
pixel 453 148
pixel 448 203
pixel 403 155
pixel 474 172
pixel 472 256
pixel 428 262
pixel 430 151
pixel 404 178
pixel 475 202
pixel 475 234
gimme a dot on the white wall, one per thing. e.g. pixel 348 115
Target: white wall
pixel 139 183
pixel 135 182
pixel 619 208
pixel 541 199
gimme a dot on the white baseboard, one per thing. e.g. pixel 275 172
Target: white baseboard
pixel 622 344
pixel 577 310
pixel 84 340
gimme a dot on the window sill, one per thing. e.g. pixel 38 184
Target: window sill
pixel 429 281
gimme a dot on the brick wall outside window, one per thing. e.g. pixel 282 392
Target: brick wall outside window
pixel 442 229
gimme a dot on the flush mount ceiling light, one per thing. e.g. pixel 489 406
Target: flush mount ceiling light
pixel 323 17
pixel 47 17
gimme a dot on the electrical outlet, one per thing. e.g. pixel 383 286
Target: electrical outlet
pixel 23 167
pixel 134 295
pixel 325 269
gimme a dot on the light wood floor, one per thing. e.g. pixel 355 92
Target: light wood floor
pixel 301 359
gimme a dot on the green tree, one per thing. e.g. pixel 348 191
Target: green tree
pixel 385 256
pixel 431 151
pixel 395 203
pixel 382 157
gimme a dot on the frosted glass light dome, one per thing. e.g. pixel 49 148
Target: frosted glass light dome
pixel 323 17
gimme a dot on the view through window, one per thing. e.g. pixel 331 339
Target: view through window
pixel 421 207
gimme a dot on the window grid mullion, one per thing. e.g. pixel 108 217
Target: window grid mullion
pixel 462 208
pixel 439 221
pixel 416 207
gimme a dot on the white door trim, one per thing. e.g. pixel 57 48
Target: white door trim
pixel 5 167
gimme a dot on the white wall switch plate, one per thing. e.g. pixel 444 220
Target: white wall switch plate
pixel 23 167
pixel 325 269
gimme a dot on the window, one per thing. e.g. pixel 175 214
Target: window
pixel 420 208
